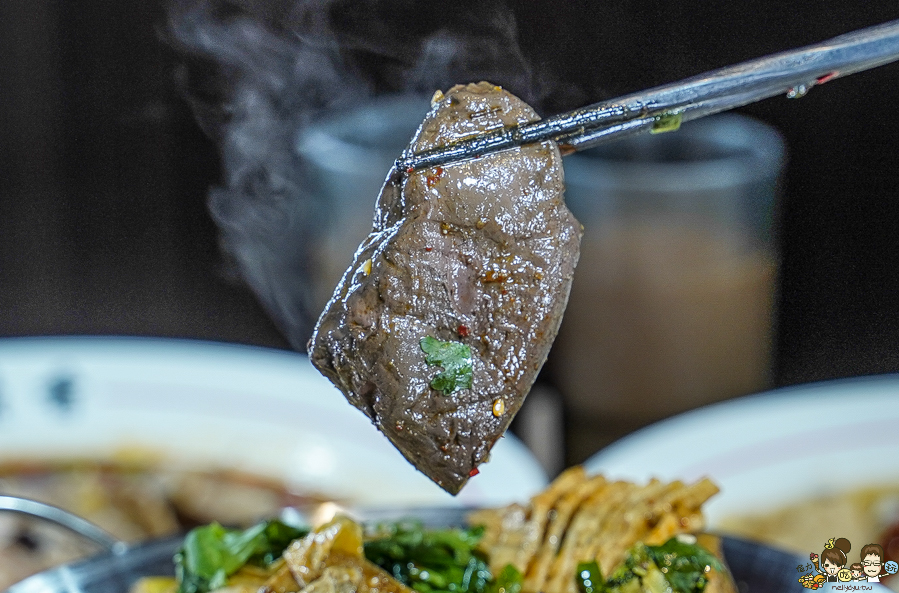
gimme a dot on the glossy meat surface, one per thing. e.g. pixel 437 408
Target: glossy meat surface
pixel 480 253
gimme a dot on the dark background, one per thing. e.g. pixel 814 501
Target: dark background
pixel 104 172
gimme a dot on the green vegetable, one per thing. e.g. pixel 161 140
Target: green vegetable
pixel 674 566
pixel 684 565
pixel 589 578
pixel 212 553
pixel 507 581
pixel 454 357
pixel 668 122
pixel 438 561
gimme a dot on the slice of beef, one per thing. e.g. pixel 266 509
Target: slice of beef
pixel 479 253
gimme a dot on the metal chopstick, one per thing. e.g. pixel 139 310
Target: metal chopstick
pixel 791 72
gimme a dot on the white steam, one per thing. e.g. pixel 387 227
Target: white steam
pixel 256 73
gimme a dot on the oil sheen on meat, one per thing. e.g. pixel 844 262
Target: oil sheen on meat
pixel 480 253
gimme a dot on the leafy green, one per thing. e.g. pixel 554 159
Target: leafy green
pixel 635 565
pixel 211 553
pixel 438 561
pixel 507 581
pixel 454 357
pixel 667 122
pixel 589 578
pixel 278 536
pixel 683 567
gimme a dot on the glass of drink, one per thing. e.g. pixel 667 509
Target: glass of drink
pixel 348 157
pixel 672 304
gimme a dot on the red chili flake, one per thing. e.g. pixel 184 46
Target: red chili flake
pixel 474 472
pixel 825 78
pixel 433 178
pixel 410 170
pixel 462 330
pixel 503 291
pixel 428 248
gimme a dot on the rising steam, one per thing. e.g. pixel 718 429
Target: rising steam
pixel 257 72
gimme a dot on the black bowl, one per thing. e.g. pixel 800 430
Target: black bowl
pixel 755 568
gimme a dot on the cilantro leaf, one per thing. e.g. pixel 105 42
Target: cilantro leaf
pixel 437 561
pixel 455 358
pixel 589 578
pixel 211 553
pixel 509 580
pixel 667 122
pixel 685 565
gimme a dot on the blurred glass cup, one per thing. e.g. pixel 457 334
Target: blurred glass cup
pixel 672 303
pixel 349 155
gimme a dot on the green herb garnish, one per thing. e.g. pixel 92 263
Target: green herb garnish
pixel 507 581
pixel 675 566
pixel 211 553
pixel 684 565
pixel 589 578
pixel 455 358
pixel 438 561
pixel 667 122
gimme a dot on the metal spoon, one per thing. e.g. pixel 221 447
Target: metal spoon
pixel 63 518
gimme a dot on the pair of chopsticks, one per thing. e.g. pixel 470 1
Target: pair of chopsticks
pixel 792 73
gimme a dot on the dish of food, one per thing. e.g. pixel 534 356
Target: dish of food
pixel 797 466
pixel 440 326
pixel 582 534
pixel 132 501
pixel 146 436
pixel 862 516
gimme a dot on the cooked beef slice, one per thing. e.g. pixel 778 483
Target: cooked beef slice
pixel 479 253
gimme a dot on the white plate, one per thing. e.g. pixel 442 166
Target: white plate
pixel 214 405
pixel 773 448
